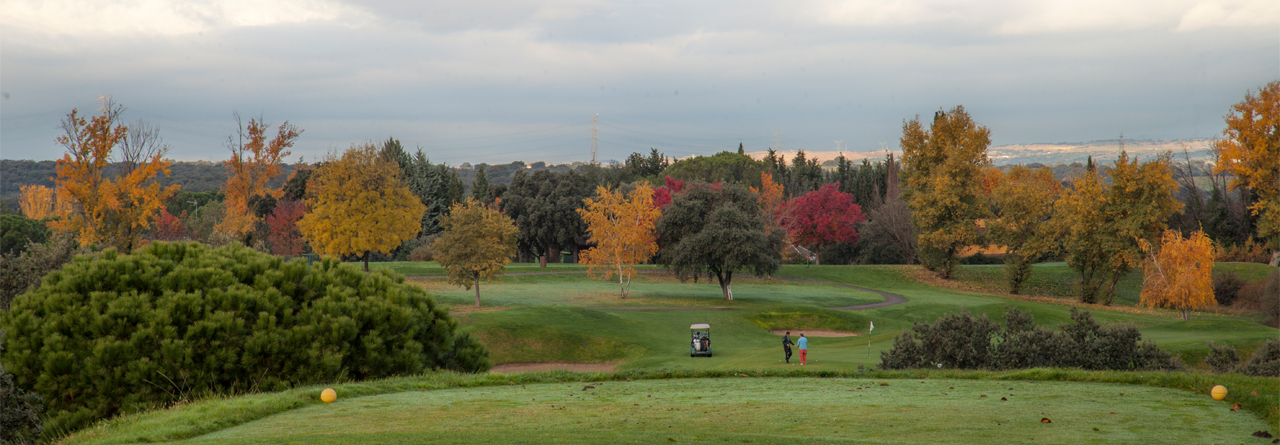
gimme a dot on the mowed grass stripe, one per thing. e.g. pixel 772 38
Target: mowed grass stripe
pixel 763 410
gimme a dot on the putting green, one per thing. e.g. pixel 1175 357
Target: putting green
pixel 763 410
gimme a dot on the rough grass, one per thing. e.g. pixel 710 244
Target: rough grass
pixel 732 404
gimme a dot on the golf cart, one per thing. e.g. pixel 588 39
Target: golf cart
pixel 700 340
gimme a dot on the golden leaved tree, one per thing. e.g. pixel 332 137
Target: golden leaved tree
pixel 118 210
pixel 40 202
pixel 357 204
pixel 942 167
pixel 477 243
pixel 1022 203
pixel 623 227
pixel 254 162
pixel 1251 152
pixel 1180 274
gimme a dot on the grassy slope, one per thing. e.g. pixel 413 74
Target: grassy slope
pixel 904 399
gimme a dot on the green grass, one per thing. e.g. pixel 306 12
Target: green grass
pixel 575 318
pixel 827 407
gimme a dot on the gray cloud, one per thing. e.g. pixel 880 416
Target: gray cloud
pixel 496 81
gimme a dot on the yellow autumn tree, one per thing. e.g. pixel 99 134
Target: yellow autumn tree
pixel 623 228
pixel 477 243
pixel 1180 274
pixel 38 201
pixel 1022 204
pixel 117 210
pixel 254 162
pixel 357 204
pixel 942 171
pixel 1251 153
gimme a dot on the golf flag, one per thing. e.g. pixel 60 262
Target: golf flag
pixel 873 327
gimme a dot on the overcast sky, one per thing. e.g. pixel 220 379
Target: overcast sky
pixel 502 80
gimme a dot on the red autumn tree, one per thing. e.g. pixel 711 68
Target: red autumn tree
pixel 169 227
pixel 821 217
pixel 663 195
pixel 283 235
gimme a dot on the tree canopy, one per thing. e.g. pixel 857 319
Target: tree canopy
pixel 113 211
pixel 822 217
pixel 1101 224
pixel 941 168
pixel 545 208
pixel 716 230
pixel 1179 274
pixel 1250 151
pixel 254 162
pixel 1022 206
pixel 358 205
pixel 726 166
pixel 622 225
pixel 477 243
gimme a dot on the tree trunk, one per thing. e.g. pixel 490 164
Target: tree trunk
pixel 477 278
pixel 1186 314
pixel 725 279
pixel 623 285
pixel 1275 259
pixel 366 261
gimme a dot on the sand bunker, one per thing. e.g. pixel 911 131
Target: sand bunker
pixel 816 333
pixel 516 368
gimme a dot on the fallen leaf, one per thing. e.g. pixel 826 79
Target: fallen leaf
pixel 584 388
pixel 1262 434
pixel 1045 420
pixel 984 395
pixel 1235 407
pixel 1254 392
pixel 1002 399
pixel 884 383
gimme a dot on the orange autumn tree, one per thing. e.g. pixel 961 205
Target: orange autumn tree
pixel 623 227
pixel 1179 275
pixel 118 210
pixel 38 202
pixel 254 162
pixel 1251 153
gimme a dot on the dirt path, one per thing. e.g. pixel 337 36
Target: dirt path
pixel 516 368
pixel 890 299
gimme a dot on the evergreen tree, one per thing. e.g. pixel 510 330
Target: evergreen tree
pixel 480 186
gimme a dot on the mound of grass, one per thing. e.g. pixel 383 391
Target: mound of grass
pixel 905 406
pixel 808 318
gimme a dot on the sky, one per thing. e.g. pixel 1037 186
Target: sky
pixel 496 81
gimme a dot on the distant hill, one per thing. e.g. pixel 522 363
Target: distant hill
pixel 1103 151
pixel 193 176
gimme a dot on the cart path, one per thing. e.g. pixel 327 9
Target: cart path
pixel 890 299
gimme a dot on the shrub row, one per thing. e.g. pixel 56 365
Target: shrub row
pixel 122 333
pixel 962 341
pixel 1264 363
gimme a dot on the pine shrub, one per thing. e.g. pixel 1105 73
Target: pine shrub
pixel 122 333
pixel 1226 286
pixel 966 342
pixel 1265 361
pixel 1222 359
pixel 19 412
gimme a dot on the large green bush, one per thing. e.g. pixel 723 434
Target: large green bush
pixel 962 341
pixel 121 333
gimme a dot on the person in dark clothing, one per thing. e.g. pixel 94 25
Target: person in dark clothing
pixel 786 346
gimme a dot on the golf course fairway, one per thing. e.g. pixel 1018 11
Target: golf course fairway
pixel 762 410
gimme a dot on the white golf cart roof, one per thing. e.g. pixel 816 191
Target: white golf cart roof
pixel 700 326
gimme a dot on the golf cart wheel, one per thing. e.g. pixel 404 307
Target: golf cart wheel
pixel 708 354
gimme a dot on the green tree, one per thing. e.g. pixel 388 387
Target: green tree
pixel 716 230
pixel 477 243
pixel 1102 225
pixel 545 206
pixel 480 186
pixel 726 166
pixel 357 205
pixel 941 171
pixel 16 231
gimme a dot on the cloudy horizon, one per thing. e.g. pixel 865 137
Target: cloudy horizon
pixel 497 81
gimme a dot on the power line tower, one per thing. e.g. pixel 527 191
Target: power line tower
pixel 777 141
pixel 595 142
